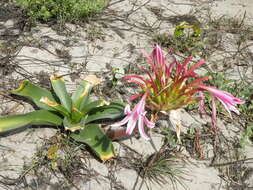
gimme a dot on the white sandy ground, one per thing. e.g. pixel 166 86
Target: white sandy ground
pixel 120 45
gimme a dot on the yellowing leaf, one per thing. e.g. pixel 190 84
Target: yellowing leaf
pixel 73 128
pixel 45 100
pixel 94 137
pixel 52 152
pixel 92 79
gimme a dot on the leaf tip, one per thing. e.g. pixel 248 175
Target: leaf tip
pixel 55 77
pixel 21 86
pixel 92 79
pixel 73 108
pixel 85 92
pixel 107 157
pixel 104 102
pixel 73 129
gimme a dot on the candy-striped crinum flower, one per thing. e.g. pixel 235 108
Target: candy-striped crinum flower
pixel 136 117
pixel 170 85
pixel 227 99
pixel 167 83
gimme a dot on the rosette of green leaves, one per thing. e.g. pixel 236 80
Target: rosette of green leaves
pixel 77 114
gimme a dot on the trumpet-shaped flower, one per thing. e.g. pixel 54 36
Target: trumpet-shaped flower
pixel 136 117
pixel 228 100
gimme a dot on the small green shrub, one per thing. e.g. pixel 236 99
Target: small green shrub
pixel 65 10
pixel 186 39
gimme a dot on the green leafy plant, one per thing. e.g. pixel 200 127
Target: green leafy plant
pixel 180 30
pixel 78 114
pixel 185 39
pixel 66 10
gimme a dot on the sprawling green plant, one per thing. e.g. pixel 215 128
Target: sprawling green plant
pixel 78 114
pixel 188 39
pixel 67 10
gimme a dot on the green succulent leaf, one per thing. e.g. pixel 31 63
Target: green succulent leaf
pixel 95 138
pixel 70 126
pixel 40 117
pixel 89 106
pixel 81 96
pixel 113 111
pixel 76 115
pixel 57 107
pixel 34 93
pixel 59 87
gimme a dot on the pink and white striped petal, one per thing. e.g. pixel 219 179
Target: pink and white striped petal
pixel 122 122
pixel 141 129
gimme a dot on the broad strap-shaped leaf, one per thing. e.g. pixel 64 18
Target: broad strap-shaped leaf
pixel 40 117
pixel 34 93
pixel 76 115
pixel 94 104
pixel 57 107
pixel 113 111
pixel 81 96
pixel 59 87
pixel 68 126
pixel 95 138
